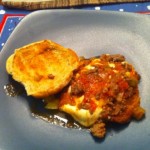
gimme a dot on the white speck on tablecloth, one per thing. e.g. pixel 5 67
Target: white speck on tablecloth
pixel 10 29
pixel 148 7
pixel 19 18
pixel 11 21
pixel 2 44
pixel 2 11
pixel 121 9
pixel 97 8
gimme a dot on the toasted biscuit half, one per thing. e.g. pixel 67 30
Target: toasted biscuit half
pixel 43 67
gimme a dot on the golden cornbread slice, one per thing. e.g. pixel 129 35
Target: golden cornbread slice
pixel 43 67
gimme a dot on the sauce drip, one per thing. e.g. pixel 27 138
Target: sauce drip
pixel 55 117
pixel 10 90
pixel 37 109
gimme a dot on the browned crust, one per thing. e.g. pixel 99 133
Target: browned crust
pixel 43 67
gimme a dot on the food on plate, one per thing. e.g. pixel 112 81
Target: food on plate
pixel 94 91
pixel 43 67
pixel 103 89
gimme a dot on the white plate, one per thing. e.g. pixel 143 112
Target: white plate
pixel 89 33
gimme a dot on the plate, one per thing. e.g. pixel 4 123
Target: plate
pixel 89 33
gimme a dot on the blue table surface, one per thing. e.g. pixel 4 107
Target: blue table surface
pixel 9 18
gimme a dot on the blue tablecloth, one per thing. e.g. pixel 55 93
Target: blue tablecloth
pixel 9 18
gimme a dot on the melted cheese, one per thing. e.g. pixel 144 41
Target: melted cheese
pixel 83 116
